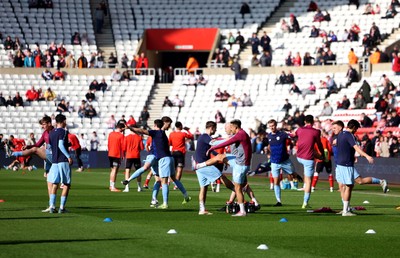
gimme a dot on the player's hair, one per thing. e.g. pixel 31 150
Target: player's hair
pixel 339 123
pixel 178 125
pixel 353 124
pixel 237 123
pixel 309 119
pixel 45 119
pixel 159 123
pixel 166 119
pixel 210 124
pixel 272 121
pixel 120 125
pixel 60 118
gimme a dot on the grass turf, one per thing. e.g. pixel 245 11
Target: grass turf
pixel 140 231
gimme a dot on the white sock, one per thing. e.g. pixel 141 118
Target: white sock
pixel 255 201
pixel 138 184
pixel 202 206
pixel 112 184
pixel 127 187
pixel 291 184
pixel 241 206
pixel 345 206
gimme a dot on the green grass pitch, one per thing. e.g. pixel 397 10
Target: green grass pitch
pixel 140 231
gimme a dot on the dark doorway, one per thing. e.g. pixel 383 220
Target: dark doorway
pixel 179 59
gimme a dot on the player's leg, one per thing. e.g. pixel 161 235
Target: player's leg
pixel 150 161
pixel 328 168
pixel 319 166
pixel 54 179
pixel 371 180
pixel 202 201
pixel 127 173
pixel 308 166
pixel 41 152
pixel 165 168
pixel 345 176
pixel 65 171
pixel 239 180
pixel 78 153
pixel 228 183
pixel 252 196
pixel 148 178
pixel 275 172
pixel 114 164
pixel 136 164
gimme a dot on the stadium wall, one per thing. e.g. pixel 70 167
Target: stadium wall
pixel 386 168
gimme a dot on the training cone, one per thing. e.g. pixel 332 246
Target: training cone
pixel 2 200
pixel 370 231
pixel 108 220
pixel 172 231
pixel 283 220
pixel 366 202
pixel 262 247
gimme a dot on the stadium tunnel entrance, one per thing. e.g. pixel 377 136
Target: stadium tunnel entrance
pixel 179 59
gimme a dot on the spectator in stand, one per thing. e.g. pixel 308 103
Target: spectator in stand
pixel 265 59
pixel 353 59
pixel 375 35
pixel 62 107
pixel 309 90
pixel 18 60
pixel 314 33
pixel 265 42
pixel 377 9
pixel 116 75
pixel 391 101
pixel 126 76
pixel 18 101
pixel 32 94
pixel 29 61
pixel 94 86
pixel 327 110
pixel 76 39
pixel 394 121
pixel 354 2
pixel 285 26
pixel 61 62
pixel 58 75
pixel 167 102
pixel 2 101
pixel 61 51
pixel 94 142
pixel 112 61
pixel 122 120
pixel 240 39
pixel 124 61
pixel 308 59
pixel 344 36
pixel 286 107
pixel 382 147
pixel 220 61
pixel 82 142
pixel 294 24
pixel 103 85
pixel 225 96
pixel 290 77
pixel 381 105
pixel 134 61
pixel 289 59
pixel 47 75
pixel 18 45
pixel 297 60
pixel 366 121
pixel 254 61
pixel 322 84
pixel 365 91
pixel 330 58
pixel 49 95
pixel 396 63
pixel 201 80
pixel 375 57
pixel 131 121
pixel 90 112
pixel 90 96
pixel 192 80
pixel 394 148
pixel 312 7
pixel 8 43
pixel 144 117
pixel 354 31
pixel 99 15
pixel 177 102
pixel 351 75
pixel 111 122
pixel 255 42
pixel 244 9
pixel 100 59
pixel 70 61
pixel 219 118
pixel 231 40
pixel 390 12
pixel 294 89
pixel 143 63
pixel 247 100
pixel 82 61
pixel 10 102
pixel 218 95
pixel 318 17
pixel 368 9
pixel 359 102
pixel 236 68
pixel 345 104
pixel 282 79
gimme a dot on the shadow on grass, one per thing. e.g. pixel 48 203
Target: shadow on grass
pixel 28 218
pixel 21 242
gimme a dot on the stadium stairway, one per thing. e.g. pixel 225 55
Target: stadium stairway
pixel 156 99
pixel 391 40
pixel 105 41
pixel 246 55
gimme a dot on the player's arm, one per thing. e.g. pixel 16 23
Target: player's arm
pixel 362 153
pixel 228 142
pixel 320 147
pixel 139 130
pixel 188 134
pixel 64 151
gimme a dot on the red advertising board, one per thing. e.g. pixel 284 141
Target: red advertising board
pixel 188 39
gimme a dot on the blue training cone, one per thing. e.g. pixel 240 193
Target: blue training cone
pixel 107 220
pixel 283 220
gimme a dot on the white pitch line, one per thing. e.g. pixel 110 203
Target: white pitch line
pixel 380 194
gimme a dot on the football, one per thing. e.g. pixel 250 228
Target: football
pixel 15 168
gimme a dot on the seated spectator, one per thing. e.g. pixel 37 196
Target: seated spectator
pixel 143 64
pixel 354 31
pixel 254 61
pixel 93 60
pixel 82 61
pixel 225 96
pixel 116 75
pixel 61 51
pixel 331 85
pixel 49 95
pixel 111 122
pixel 318 17
pixel 41 94
pixel 90 96
pixel 18 101
pixel 10 102
pixel 353 59
pixel 58 76
pixel 177 102
pixel 345 104
pixel 312 7
pixel 309 90
pixel 8 43
pixel 62 107
pixel 322 84
pixel 85 39
pixel 390 12
pixel 377 9
pixel 94 86
pixel 396 63
pixel 134 61
pixel 100 59
pixel 375 57
pixel 289 59
pixel 294 89
pixel 202 80
pixel 244 9
pixel 294 24
pixel 218 95
pixel 2 100
pixel 284 26
pixel 122 120
pixel 29 61
pixel 391 101
pixel 290 77
pixel 167 102
pixel 308 59
pixel 90 112
pixel 76 39
pixel 394 148
pixel 314 33
pixel 344 36
pixel 124 61
pixel 359 102
pixel 219 118
pixel 240 39
pixel 247 100
pixel 368 9
pixel 18 59
pixel 192 80
pixel 103 85
pixel 125 76
pixel 70 61
pixel 352 76
pixel 354 2
pixel 296 61
pixel 330 58
pixel 131 121
pixel 366 121
pixel 47 75
pixel 265 59
pixel 327 110
pixel 61 62
pixel 32 94
pixel 282 78
pixel 394 120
